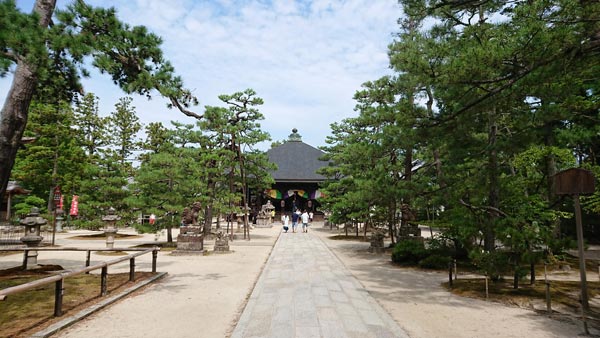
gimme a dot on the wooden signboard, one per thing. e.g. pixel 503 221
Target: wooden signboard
pixel 574 181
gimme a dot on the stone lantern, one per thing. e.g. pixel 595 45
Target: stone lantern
pixel 110 228
pixel 32 237
pixel 59 219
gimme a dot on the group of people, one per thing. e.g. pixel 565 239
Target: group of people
pixel 304 216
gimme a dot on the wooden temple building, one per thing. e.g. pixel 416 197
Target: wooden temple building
pixel 296 179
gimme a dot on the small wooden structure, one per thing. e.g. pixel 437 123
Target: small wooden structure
pixel 575 182
pixel 13 188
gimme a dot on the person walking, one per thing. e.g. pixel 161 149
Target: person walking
pixel 286 221
pixel 305 221
pixel 295 217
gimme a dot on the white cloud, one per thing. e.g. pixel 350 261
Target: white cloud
pixel 304 58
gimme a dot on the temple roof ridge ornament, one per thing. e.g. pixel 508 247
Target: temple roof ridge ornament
pixel 294 136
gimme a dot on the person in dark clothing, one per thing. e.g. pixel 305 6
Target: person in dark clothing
pixel 295 217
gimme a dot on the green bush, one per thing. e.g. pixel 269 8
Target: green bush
pixel 24 208
pixel 94 224
pixel 435 262
pixel 409 252
pixel 440 245
pixel 493 264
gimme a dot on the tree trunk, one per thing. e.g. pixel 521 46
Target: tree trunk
pixel 51 205
pixel 211 186
pixel 244 192
pixel 494 190
pixel 231 213
pixel 394 221
pixel 13 117
pixel 207 222
pixel 170 233
pixel 550 169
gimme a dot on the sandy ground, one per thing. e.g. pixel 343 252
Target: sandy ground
pixel 204 296
pixel 201 296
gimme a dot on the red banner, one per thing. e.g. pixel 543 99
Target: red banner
pixel 61 202
pixel 74 206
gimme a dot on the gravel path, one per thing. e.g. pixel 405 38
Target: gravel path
pixel 305 291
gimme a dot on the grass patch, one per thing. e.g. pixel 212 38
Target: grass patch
pixel 353 238
pixel 164 246
pixel 111 253
pixel 8 253
pixel 102 236
pixel 30 311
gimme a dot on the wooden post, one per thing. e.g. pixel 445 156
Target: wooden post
pixel 58 298
pixel 103 284
pixel 575 182
pixel 548 299
pixel 487 294
pixel 154 256
pixel 450 274
pixel 455 270
pixel 53 225
pixel 88 253
pixel 25 254
pixel 132 269
pixel 582 273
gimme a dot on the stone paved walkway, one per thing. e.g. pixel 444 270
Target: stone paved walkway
pixel 305 291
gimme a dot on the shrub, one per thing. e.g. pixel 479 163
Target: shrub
pixel 493 264
pixel 94 224
pixel 409 251
pixel 440 245
pixel 24 208
pixel 436 262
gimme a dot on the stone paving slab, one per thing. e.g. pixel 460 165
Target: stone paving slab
pixel 306 291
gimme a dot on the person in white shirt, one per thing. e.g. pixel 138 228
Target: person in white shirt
pixel 304 221
pixel 286 220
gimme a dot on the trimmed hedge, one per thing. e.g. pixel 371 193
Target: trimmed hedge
pixel 409 252
pixel 435 262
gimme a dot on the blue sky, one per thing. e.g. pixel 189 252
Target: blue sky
pixel 306 59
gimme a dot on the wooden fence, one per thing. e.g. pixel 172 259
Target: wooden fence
pixel 58 279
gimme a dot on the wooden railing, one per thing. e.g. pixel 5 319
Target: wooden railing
pixel 59 278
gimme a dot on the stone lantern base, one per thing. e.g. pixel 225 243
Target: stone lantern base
pixel 32 241
pixel 264 222
pixel 110 237
pixel 221 245
pixel 190 241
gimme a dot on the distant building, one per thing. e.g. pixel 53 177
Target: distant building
pixel 296 180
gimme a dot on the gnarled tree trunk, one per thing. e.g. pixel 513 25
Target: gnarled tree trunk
pixel 13 118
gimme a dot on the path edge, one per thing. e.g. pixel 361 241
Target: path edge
pixel 54 328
